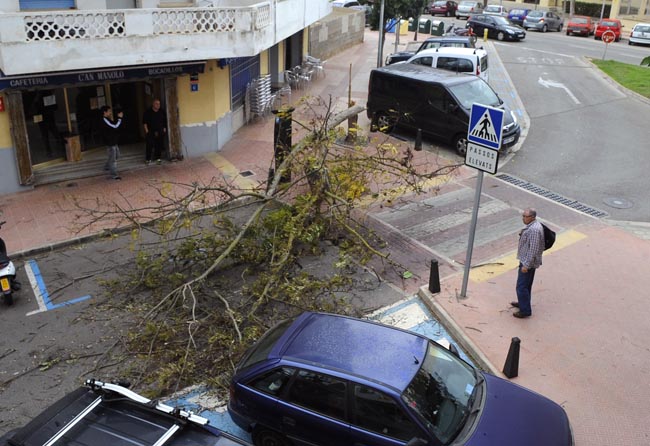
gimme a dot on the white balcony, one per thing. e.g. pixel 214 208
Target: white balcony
pixel 36 42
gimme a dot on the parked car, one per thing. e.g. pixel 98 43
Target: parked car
pixel 543 21
pixel 498 27
pixel 432 42
pixel 496 10
pixel 345 3
pixel 468 8
pixel 458 60
pixel 518 15
pixel 104 414
pixel 640 34
pixel 442 7
pixel 330 380
pixel 580 25
pixel 613 25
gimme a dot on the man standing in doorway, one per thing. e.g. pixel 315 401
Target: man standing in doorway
pixel 154 120
pixel 529 253
pixel 110 131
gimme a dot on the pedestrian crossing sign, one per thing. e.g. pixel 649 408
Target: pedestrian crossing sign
pixel 485 126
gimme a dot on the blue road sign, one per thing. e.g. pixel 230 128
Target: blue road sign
pixel 485 126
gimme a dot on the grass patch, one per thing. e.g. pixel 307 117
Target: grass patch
pixel 632 77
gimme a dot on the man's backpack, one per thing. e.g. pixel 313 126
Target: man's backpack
pixel 549 237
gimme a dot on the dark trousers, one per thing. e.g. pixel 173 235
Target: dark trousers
pixel 524 288
pixel 154 145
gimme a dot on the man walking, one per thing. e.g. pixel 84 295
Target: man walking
pixel 110 131
pixel 154 121
pixel 529 253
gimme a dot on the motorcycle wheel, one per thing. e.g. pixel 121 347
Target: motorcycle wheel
pixel 9 299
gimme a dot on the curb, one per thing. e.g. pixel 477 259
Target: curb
pixel 472 350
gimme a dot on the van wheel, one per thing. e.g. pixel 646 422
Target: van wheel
pixel 384 122
pixel 501 35
pixel 267 437
pixel 460 144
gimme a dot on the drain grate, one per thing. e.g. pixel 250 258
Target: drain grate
pixel 573 204
pixel 246 173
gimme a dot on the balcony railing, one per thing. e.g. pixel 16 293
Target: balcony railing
pixel 97 24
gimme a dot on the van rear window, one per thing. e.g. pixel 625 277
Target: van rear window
pixel 475 91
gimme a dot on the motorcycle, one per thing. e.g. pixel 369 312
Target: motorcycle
pixel 8 282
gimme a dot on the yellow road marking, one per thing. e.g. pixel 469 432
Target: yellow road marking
pixel 510 262
pixel 392 194
pixel 230 172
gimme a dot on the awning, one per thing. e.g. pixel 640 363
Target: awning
pixel 118 74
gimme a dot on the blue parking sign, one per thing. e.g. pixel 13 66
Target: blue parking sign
pixel 485 126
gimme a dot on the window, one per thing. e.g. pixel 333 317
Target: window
pixel 274 381
pixel 426 61
pixel 379 413
pixel 321 393
pixel 455 64
pixel 260 351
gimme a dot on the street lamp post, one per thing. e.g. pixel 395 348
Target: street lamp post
pixel 381 34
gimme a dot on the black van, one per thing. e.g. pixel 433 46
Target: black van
pixel 437 101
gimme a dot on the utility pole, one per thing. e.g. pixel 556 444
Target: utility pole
pixel 381 35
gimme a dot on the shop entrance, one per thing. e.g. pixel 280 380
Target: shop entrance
pixel 52 116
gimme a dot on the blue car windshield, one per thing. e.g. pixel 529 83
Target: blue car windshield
pixel 441 393
pixel 477 91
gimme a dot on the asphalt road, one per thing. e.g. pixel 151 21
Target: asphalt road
pixel 588 138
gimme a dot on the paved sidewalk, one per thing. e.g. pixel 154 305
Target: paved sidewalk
pixel 586 344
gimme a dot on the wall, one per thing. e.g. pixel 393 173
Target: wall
pixel 338 31
pixel 205 116
pixel 9 173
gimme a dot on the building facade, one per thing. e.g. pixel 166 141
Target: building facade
pixel 62 60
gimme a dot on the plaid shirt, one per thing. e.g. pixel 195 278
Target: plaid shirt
pixel 531 245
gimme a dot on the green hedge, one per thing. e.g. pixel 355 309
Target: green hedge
pixel 588 9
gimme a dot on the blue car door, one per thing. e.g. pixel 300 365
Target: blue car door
pixel 378 420
pixel 313 411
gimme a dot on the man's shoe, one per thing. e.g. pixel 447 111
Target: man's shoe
pixel 147 162
pixel 514 304
pixel 520 315
pixel 158 161
pixel 117 177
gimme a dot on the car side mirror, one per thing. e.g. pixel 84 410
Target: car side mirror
pixel 452 108
pixel 454 350
pixel 415 441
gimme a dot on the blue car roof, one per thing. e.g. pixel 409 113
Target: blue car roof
pixel 373 351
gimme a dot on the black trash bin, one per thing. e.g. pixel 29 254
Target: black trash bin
pixel 437 27
pixel 424 26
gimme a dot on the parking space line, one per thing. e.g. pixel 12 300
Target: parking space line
pixel 40 290
pixel 509 262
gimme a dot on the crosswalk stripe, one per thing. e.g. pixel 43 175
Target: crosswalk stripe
pixel 509 262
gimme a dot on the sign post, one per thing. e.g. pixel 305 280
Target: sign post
pixel 483 143
pixel 607 37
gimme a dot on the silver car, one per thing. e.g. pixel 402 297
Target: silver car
pixel 640 34
pixel 468 8
pixel 543 21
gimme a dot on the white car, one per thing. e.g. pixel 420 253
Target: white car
pixel 496 10
pixel 459 60
pixel 640 34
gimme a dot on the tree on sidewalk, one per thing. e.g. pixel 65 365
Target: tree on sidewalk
pixel 216 265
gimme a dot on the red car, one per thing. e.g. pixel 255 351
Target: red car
pixel 442 7
pixel 608 24
pixel 580 25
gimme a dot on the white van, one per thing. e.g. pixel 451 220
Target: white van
pixel 460 60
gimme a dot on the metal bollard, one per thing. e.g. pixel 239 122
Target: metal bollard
pixel 511 367
pixel 434 277
pixel 485 33
pixel 418 140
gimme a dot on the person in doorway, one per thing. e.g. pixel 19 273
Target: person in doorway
pixel 110 130
pixel 154 121
pixel 529 253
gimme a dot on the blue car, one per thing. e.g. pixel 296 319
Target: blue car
pixel 331 380
pixel 518 15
